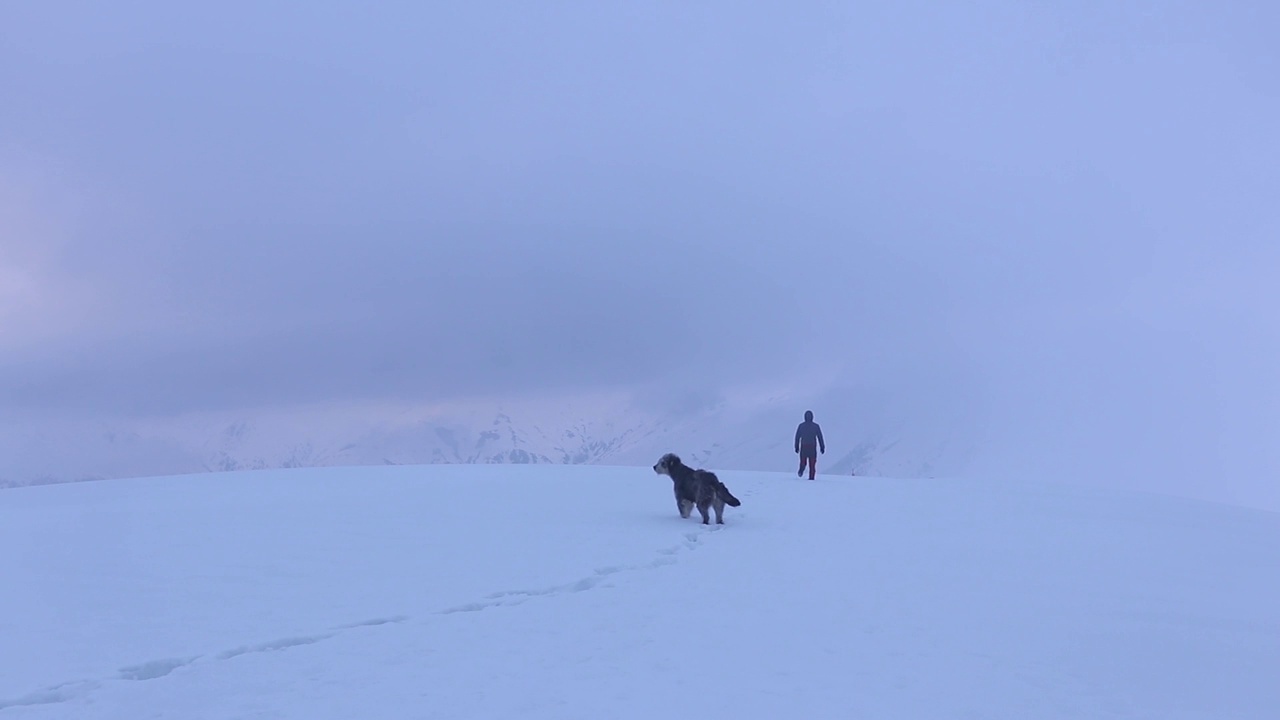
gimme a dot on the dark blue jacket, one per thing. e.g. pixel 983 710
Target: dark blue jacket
pixel 808 434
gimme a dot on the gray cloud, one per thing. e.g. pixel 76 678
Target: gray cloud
pixel 316 202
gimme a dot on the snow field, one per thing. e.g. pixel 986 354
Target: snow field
pixel 577 592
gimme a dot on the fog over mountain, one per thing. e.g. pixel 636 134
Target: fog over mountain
pixel 1041 237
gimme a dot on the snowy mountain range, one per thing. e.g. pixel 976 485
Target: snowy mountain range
pixel 747 432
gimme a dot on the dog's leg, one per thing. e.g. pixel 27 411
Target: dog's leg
pixel 719 506
pixel 686 508
pixel 703 507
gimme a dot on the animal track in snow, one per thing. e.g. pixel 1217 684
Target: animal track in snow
pixel 517 597
pixel 376 621
pixel 469 607
pixel 156 669
pixel 53 695
pixel 273 645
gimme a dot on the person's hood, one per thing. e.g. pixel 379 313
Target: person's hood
pixel 808 416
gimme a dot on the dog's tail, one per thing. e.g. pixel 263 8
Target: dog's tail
pixel 726 496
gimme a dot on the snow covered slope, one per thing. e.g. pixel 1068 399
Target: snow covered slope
pixel 485 591
pixel 748 431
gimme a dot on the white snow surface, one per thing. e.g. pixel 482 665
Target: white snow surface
pixel 552 591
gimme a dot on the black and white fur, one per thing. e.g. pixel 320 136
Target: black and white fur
pixel 699 488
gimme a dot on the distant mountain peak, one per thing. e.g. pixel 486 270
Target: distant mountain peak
pixel 728 435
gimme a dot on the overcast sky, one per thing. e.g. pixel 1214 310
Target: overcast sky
pixel 242 204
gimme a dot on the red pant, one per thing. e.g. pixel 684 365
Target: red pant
pixel 812 460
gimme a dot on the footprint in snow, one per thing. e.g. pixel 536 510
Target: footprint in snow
pixel 65 692
pixel 274 645
pixel 155 668
pixel 374 622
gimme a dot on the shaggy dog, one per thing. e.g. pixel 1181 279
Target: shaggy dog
pixel 696 487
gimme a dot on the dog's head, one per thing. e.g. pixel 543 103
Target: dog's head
pixel 666 463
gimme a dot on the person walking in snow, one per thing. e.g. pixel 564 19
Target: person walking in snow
pixel 809 443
